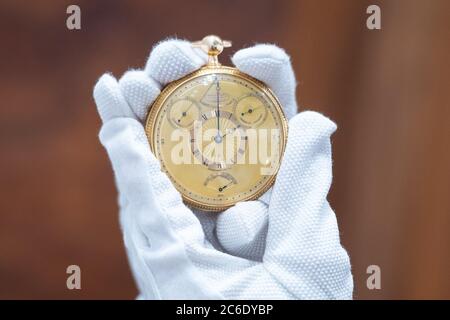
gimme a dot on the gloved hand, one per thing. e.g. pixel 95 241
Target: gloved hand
pixel 283 246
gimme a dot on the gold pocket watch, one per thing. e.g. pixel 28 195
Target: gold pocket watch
pixel 218 133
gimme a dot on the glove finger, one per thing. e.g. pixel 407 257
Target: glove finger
pixel 300 219
pixel 242 229
pixel 140 178
pixel 271 65
pixel 173 59
pixel 305 169
pixel 152 206
pixel 139 91
pixel 176 238
pixel 109 100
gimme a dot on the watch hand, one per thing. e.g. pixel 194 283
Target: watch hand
pixel 189 108
pixel 250 110
pixel 184 113
pixel 229 131
pixel 217 102
pixel 225 186
pixel 218 138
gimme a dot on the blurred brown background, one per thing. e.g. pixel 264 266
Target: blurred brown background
pixel 388 91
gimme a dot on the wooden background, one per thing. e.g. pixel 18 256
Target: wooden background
pixel 387 90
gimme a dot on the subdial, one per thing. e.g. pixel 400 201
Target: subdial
pixel 183 113
pixel 220 182
pixel 218 140
pixel 250 110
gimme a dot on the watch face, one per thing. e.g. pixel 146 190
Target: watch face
pixel 219 135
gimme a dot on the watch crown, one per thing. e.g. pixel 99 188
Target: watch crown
pixel 213 46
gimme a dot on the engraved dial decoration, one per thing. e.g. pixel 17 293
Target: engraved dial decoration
pixel 218 140
pixel 213 132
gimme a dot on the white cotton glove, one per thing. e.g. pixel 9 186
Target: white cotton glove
pixel 283 246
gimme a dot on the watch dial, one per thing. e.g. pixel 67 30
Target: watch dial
pixel 219 135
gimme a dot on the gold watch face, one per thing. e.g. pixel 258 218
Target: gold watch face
pixel 219 135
